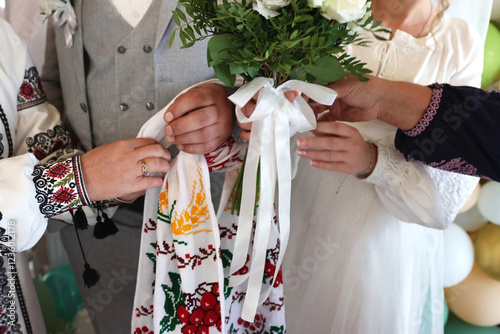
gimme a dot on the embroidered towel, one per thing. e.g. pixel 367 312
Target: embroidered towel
pixel 186 252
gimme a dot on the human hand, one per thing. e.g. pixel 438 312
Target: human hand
pixel 336 147
pixel 115 170
pixel 357 101
pixel 249 108
pixel 200 120
pixel 401 104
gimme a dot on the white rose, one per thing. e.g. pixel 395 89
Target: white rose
pixel 220 2
pixel 268 8
pixel 343 10
pixel 315 3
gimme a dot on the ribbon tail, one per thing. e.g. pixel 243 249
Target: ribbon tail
pixel 264 222
pixel 245 220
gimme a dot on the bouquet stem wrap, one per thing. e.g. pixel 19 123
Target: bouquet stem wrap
pixel 273 120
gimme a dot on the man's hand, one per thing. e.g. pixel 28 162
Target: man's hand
pixel 200 120
pixel 115 170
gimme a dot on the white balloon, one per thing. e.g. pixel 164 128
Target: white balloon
pixel 83 322
pixel 471 220
pixel 495 12
pixel 489 201
pixel 472 200
pixel 458 255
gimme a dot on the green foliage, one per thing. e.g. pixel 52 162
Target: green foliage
pixel 299 43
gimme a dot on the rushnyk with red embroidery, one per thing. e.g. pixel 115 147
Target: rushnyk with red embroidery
pixel 186 252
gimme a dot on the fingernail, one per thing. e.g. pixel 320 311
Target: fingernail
pixel 168 117
pixel 301 152
pixel 180 147
pixel 301 142
pixel 168 130
pixel 170 139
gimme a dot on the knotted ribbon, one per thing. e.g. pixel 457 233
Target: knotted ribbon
pixel 272 122
pixel 65 15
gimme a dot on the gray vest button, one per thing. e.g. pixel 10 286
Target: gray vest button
pixel 122 49
pixel 147 48
pixel 150 106
pixel 123 106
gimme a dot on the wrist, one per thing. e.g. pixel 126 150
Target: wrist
pixel 373 162
pixel 404 104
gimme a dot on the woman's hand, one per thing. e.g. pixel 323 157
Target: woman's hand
pixel 337 147
pixel 116 170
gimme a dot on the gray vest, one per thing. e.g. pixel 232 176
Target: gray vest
pixel 119 97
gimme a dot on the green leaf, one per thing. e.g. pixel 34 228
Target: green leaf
pixel 226 257
pixel 171 39
pixel 376 24
pixel 183 36
pixel 181 14
pixel 217 49
pixel 190 32
pixel 224 74
pixel 176 18
pixel 236 68
pixel 327 69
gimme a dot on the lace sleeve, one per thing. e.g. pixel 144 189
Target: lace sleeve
pixel 416 193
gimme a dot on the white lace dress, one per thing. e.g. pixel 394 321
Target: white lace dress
pixel 368 258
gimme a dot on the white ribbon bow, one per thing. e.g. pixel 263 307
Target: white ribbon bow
pixel 272 121
pixel 65 14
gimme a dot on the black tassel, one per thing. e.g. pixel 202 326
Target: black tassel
pixel 104 228
pixel 80 220
pixel 90 276
pixel 110 224
pixel 99 227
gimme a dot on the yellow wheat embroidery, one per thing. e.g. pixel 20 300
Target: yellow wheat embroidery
pixel 191 219
pixel 164 198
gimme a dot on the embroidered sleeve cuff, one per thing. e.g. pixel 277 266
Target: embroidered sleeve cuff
pixel 437 93
pixel 59 186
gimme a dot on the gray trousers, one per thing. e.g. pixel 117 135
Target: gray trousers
pixel 110 302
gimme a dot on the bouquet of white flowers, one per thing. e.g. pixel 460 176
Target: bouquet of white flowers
pixel 278 39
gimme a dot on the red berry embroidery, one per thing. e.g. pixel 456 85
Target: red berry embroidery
pixel 189 329
pixel 202 330
pixel 183 314
pixel 197 316
pixel 208 301
pixel 211 318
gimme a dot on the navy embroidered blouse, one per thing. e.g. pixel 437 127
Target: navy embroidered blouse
pixel 460 132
